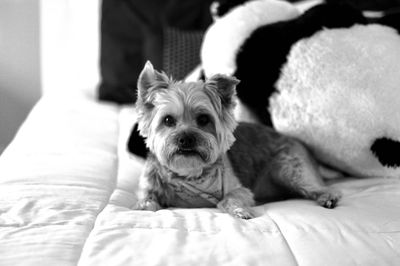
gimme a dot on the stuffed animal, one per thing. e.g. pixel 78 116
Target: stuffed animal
pixel 337 78
pixel 251 41
pixel 339 92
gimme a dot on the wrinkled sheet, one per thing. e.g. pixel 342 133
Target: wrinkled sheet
pixel 67 184
pixel 55 177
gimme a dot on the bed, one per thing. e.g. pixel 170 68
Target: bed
pixel 67 184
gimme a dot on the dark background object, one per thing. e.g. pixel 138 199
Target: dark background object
pixel 373 5
pixel 166 32
pixel 134 31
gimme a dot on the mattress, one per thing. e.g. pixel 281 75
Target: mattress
pixel 67 185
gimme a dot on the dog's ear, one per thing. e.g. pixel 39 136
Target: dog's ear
pixel 150 79
pixel 222 91
pixel 225 87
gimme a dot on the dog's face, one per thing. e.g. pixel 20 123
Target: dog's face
pixel 187 126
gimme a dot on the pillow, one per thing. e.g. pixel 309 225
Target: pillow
pixel 134 31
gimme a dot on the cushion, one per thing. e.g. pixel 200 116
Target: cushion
pixel 134 31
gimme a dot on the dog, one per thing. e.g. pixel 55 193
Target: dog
pixel 200 156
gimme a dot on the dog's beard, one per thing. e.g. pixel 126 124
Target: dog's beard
pixel 187 163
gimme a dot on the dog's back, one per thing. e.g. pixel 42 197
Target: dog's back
pixel 252 158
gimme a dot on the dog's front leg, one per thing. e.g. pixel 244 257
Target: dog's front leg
pixel 150 191
pixel 237 203
pixel 148 203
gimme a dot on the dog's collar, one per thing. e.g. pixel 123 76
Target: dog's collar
pixel 203 191
pixel 193 194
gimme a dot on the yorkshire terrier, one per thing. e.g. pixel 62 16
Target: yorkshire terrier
pixel 201 157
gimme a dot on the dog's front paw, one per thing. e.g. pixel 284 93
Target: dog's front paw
pixel 147 205
pixel 328 198
pixel 242 213
pixel 235 208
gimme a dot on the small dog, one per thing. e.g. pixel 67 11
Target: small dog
pixel 201 157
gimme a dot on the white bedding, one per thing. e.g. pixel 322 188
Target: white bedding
pixel 66 189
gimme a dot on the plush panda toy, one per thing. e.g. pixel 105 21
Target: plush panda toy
pixel 251 40
pixel 327 76
pixel 339 92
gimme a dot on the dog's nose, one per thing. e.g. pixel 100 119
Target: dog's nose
pixel 186 141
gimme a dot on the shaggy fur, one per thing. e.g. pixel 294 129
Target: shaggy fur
pixel 200 157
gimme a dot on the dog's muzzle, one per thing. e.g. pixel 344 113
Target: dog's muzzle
pixel 186 141
pixel 188 144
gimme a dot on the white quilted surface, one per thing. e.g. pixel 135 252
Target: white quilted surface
pixel 55 177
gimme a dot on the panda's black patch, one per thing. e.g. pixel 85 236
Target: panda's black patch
pixel 224 6
pixel 263 54
pixel 387 151
pixel 136 143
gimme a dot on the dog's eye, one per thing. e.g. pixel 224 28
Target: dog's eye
pixel 203 120
pixel 169 121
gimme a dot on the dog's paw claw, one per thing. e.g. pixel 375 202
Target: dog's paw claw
pixel 147 205
pixel 328 199
pixel 242 213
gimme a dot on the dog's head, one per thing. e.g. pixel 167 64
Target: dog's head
pixel 187 125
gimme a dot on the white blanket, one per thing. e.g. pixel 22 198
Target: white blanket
pixel 66 191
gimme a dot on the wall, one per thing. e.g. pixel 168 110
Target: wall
pixel 69 43
pixel 20 85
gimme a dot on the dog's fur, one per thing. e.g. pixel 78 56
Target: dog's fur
pixel 201 157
